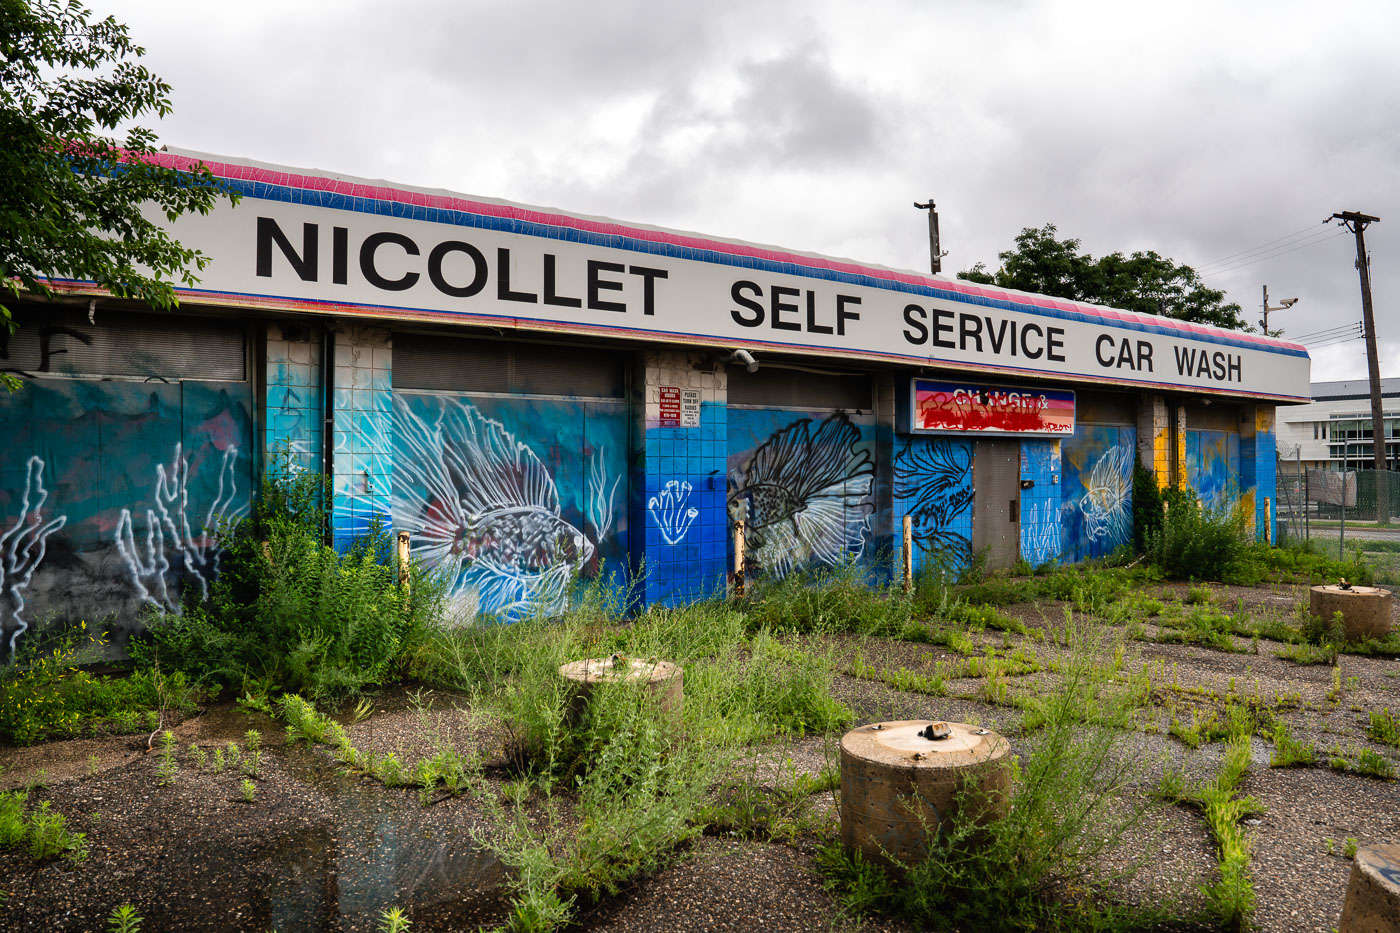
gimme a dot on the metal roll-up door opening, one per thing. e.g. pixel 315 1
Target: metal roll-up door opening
pixel 132 439
pixel 1096 475
pixel 801 458
pixel 449 364
pixel 796 389
pixel 63 342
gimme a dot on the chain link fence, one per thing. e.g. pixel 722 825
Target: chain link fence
pixel 1342 513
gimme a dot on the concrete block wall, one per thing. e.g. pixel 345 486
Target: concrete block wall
pixel 684 472
pixel 362 398
pixel 1154 436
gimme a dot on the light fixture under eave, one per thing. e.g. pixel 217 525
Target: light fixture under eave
pixel 740 357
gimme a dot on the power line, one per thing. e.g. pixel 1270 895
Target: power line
pixel 1275 251
pixel 1330 331
pixel 1304 245
pixel 1225 259
pixel 1332 342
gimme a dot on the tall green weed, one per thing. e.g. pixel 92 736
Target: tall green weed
pixel 288 612
pixel 1197 542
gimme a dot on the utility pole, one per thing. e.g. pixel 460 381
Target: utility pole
pixel 1357 223
pixel 1283 305
pixel 935 253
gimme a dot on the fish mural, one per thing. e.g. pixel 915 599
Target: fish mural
pixel 804 495
pixel 933 478
pixel 481 508
pixel 1106 504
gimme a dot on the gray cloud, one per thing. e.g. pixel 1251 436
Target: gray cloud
pixel 1198 131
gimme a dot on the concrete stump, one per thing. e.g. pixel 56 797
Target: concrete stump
pixel 1373 894
pixel 663 679
pixel 900 782
pixel 1365 609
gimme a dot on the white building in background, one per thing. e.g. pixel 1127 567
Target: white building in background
pixel 1334 430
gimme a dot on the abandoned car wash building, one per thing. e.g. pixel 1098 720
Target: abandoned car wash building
pixel 533 394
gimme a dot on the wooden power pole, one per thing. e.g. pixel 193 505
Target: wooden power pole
pixel 935 252
pixel 1357 223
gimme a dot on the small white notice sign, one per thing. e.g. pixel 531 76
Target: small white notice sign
pixel 690 408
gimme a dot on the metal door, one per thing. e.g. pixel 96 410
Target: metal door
pixel 996 501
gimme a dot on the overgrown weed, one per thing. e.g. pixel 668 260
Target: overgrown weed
pixel 288 612
pixel 1035 867
pixel 46 694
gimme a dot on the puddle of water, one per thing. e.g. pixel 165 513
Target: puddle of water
pixel 380 849
pixel 370 848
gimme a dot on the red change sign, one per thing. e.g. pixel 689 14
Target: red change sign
pixel 946 406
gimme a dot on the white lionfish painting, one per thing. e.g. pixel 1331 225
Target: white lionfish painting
pixel 481 508
pixel 804 495
pixel 1106 503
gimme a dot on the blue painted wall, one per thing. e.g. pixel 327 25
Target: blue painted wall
pixel 803 483
pixel 108 489
pixel 933 486
pixel 1096 483
pixel 1213 467
pixel 511 499
pixel 109 492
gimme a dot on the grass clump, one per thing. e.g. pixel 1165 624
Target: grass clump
pixel 1231 899
pixel 1308 654
pixel 1195 542
pixel 1363 761
pixel 287 612
pixel 823 600
pixel 1383 728
pixel 1288 751
pixel 43 831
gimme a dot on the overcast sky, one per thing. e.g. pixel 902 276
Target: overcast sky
pixel 1202 130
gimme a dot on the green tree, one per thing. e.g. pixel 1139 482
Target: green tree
pixel 75 202
pixel 1144 282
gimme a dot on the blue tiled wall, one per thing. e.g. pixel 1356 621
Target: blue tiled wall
pixel 294 400
pixel 687 525
pixel 1258 467
pixel 1266 481
pixel 362 396
pixel 1040 502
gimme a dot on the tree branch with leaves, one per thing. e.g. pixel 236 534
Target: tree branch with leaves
pixel 76 203
pixel 1144 282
